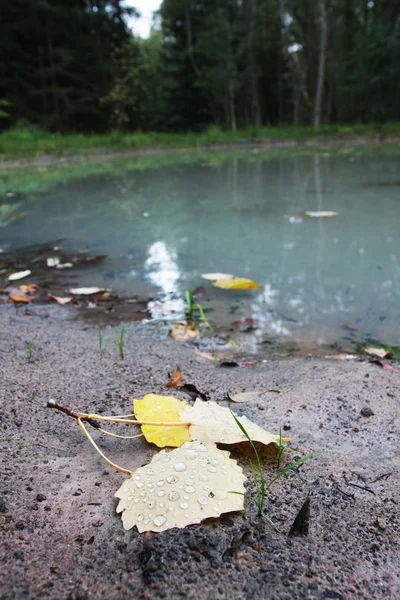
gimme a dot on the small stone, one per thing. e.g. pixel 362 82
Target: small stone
pixel 97 523
pixel 41 498
pixel 367 412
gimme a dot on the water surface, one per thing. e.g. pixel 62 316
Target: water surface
pixel 326 283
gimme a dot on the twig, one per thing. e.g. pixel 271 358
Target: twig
pixel 73 413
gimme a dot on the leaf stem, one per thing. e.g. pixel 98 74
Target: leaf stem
pixel 109 462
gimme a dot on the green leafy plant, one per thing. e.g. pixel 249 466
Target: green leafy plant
pixel 29 351
pixel 262 488
pixel 121 343
pixel 192 306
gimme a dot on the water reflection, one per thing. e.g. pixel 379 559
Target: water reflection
pixel 163 228
pixel 162 268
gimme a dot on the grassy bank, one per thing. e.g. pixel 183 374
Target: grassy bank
pixel 25 142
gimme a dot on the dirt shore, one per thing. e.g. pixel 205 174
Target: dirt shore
pixel 61 537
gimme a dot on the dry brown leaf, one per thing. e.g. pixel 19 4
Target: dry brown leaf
pixel 59 300
pixel 203 354
pixel 184 486
pixel 15 298
pixel 183 332
pixel 175 380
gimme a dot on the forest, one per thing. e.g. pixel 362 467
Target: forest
pixel 74 66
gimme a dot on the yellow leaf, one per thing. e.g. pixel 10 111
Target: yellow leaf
pixel 237 283
pixel 23 299
pixel 183 332
pixel 212 423
pixel 164 409
pixel 181 487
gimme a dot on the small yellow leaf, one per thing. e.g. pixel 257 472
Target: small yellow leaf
pixel 184 486
pixel 237 283
pixel 30 289
pixel 183 332
pixel 163 409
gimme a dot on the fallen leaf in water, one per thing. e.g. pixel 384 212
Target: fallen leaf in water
pixel 183 487
pixel 249 396
pixel 320 213
pixel 53 261
pixel 381 352
pixel 23 299
pixel 28 288
pixel 164 409
pixel 65 265
pixel 183 332
pixel 86 291
pixel 79 260
pixel 237 283
pixel 59 300
pixel 175 380
pixel 19 275
pixel 215 276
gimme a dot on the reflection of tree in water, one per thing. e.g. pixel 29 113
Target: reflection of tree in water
pixel 10 213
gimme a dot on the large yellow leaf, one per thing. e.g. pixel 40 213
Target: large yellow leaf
pixel 164 409
pixel 204 421
pixel 237 283
pixel 184 486
pixel 213 423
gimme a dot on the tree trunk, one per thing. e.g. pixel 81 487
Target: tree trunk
pixel 321 65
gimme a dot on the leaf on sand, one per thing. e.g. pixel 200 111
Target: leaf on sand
pixel 236 283
pixel 23 299
pixel 86 291
pixel 207 422
pixel 59 300
pixel 176 379
pixel 381 352
pixel 28 288
pixel 19 275
pixel 212 423
pixel 249 396
pixel 164 409
pixel 184 486
pixel 183 332
pixel 215 276
pixel 320 214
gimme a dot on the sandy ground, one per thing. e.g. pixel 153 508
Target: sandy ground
pixel 61 537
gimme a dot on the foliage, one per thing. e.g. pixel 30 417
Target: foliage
pixel 74 66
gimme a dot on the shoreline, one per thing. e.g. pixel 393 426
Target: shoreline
pixel 43 160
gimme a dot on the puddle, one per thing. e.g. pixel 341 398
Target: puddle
pixel 326 283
